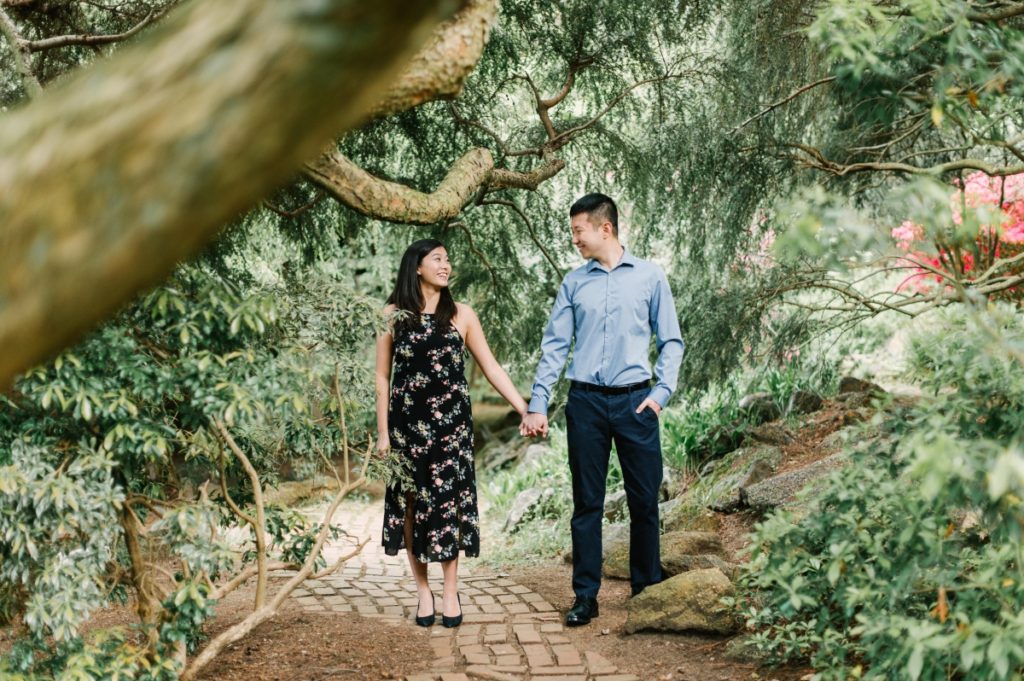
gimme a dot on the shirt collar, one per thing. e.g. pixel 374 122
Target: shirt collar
pixel 626 259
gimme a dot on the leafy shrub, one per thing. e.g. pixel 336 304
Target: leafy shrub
pixel 908 564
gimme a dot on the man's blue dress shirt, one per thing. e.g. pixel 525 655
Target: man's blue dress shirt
pixel 611 314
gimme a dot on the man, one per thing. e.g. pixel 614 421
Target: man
pixel 610 306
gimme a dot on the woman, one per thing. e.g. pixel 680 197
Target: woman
pixel 424 413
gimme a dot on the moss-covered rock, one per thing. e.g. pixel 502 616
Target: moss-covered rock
pixel 686 602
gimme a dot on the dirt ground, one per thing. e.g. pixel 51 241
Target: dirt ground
pixel 302 646
pixel 650 656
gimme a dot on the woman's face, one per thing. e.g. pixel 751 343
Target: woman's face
pixel 435 268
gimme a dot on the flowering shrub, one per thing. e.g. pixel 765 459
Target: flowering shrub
pixel 981 257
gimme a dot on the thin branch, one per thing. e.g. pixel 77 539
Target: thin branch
pixel 264 613
pixel 998 15
pixel 785 100
pixel 565 136
pixel 86 39
pixel 296 211
pixel 477 252
pixel 817 160
pixel 570 80
pixel 529 228
pixel 260 524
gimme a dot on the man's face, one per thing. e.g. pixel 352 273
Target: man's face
pixel 587 237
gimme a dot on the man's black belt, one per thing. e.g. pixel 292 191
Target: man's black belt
pixel 611 389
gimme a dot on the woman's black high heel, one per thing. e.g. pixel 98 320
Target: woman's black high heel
pixel 450 622
pixel 426 620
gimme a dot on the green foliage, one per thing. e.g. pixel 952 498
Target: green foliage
pixel 704 425
pixel 121 427
pixel 545 530
pixel 908 564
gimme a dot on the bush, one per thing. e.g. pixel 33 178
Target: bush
pixel 908 565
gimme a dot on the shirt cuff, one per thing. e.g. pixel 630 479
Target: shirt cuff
pixel 660 394
pixel 538 405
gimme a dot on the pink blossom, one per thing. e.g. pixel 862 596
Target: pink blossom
pixel 906 234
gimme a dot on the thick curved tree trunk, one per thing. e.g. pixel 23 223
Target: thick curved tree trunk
pixel 115 175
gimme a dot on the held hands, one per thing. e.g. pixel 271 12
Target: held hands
pixel 534 425
pixel 649 404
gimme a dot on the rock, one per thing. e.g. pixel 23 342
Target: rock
pixel 775 434
pixel 691 543
pixel 804 402
pixel 687 602
pixel 524 502
pixel 838 439
pixel 854 400
pixel 850 384
pixel 668 483
pixel 720 440
pixel 683 516
pixel 678 550
pixel 759 407
pixel 614 536
pixel 744 467
pixel 668 507
pixel 742 649
pixel 676 565
pixel 534 453
pixel 776 491
pixel 615 505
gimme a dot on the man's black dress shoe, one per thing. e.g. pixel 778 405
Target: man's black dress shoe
pixel 582 611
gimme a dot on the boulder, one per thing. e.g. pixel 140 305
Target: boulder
pixel 668 484
pixel 804 402
pixel 775 434
pixel 683 516
pixel 687 602
pixel 850 384
pixel 759 407
pixel 720 440
pixel 672 565
pixel 746 466
pixel 666 508
pixel 615 505
pixel 534 453
pixel 776 491
pixel 613 537
pixel 680 551
pixel 525 502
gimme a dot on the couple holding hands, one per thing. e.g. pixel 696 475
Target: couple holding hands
pixel 605 312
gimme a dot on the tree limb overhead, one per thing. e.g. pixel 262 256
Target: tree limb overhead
pixel 121 171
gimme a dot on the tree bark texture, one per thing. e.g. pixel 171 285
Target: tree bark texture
pixel 115 175
pixel 440 68
pixel 384 200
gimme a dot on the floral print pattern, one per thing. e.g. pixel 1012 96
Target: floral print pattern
pixel 429 421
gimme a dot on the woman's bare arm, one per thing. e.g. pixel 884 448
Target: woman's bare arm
pixel 477 344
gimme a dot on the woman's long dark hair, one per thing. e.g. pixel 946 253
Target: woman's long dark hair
pixel 407 295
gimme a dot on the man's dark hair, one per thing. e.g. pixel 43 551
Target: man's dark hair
pixel 599 207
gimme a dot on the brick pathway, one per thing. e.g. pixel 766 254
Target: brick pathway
pixel 509 633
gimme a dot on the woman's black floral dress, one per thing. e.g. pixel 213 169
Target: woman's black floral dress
pixel 429 421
